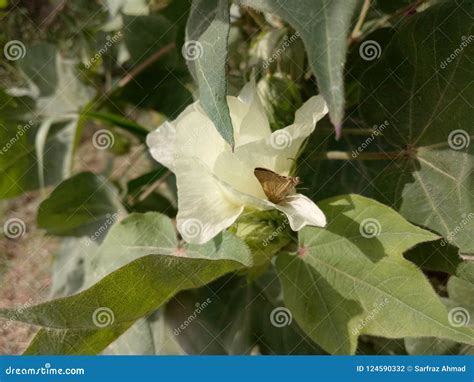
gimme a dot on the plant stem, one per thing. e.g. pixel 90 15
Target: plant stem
pixel 360 22
pixel 145 64
pixel 350 131
pixel 344 155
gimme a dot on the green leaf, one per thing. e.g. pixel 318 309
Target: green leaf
pixel 422 85
pixel 461 310
pixel 68 266
pixel 81 205
pixel 150 336
pixel 232 316
pixel 117 120
pixel 153 233
pixel 205 49
pixel 273 336
pixel 87 322
pixel 441 257
pixel 19 162
pixel 323 26
pixel 350 278
pixel 215 319
pixel 431 346
pixel 39 66
pixel 42 148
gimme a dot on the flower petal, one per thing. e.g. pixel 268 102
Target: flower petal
pixel 278 151
pixel 238 175
pixel 197 137
pixel 301 211
pixel 161 143
pixel 248 116
pixel 205 207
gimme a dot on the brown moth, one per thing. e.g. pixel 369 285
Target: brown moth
pixel 276 187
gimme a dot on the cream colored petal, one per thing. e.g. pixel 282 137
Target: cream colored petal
pixel 301 211
pixel 197 137
pixel 248 116
pixel 238 175
pixel 161 143
pixel 278 151
pixel 205 207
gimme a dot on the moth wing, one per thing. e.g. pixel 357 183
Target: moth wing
pixel 275 186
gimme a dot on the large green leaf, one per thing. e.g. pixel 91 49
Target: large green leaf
pixel 152 275
pixel 205 50
pixel 150 336
pixel 81 205
pixel 274 333
pixel 422 85
pixel 441 257
pixel 215 319
pixel 461 312
pixel 141 234
pixel 233 316
pixel 350 278
pixel 323 26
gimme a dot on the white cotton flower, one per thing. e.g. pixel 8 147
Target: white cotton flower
pixel 214 183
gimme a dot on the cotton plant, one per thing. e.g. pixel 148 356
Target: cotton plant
pixel 216 183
